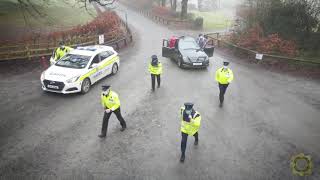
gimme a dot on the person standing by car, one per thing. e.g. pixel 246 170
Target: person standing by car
pixel 172 42
pixel 201 41
pixel 61 51
pixel 224 77
pixel 155 68
pixel 190 125
pixel 111 104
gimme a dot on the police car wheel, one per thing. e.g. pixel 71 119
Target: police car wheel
pixel 85 87
pixel 115 68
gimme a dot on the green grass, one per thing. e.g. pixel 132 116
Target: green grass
pixel 58 14
pixel 214 20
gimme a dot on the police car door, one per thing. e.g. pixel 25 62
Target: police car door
pixel 94 66
pixel 106 63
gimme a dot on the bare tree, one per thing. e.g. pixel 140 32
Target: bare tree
pixel 163 3
pixel 315 8
pixel 100 2
pixel 184 9
pixel 173 5
pixel 200 5
pixel 35 10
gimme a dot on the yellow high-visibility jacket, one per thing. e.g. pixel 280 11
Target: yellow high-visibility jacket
pixel 156 70
pixel 111 101
pixel 224 76
pixel 61 52
pixel 191 127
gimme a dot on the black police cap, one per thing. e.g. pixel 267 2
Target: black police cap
pixel 226 63
pixel 106 87
pixel 188 105
pixel 154 57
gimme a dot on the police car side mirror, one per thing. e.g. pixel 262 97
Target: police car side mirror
pixel 94 65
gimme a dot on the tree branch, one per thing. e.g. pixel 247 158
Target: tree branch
pixel 103 2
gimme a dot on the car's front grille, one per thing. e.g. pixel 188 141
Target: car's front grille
pixel 198 59
pixel 53 85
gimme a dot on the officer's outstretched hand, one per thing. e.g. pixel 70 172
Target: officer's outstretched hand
pixel 108 110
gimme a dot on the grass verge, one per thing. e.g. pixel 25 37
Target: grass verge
pixel 55 14
pixel 214 20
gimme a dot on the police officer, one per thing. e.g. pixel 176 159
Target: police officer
pixel 111 104
pixel 224 77
pixel 155 68
pixel 190 124
pixel 61 51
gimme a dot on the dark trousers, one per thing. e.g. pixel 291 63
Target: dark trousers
pixel 184 141
pixel 223 89
pixel 106 118
pixel 153 80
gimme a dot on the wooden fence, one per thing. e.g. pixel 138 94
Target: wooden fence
pixel 31 51
pixel 216 39
pixel 168 21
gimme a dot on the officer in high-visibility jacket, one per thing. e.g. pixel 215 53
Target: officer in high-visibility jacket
pixel 190 124
pixel 155 69
pixel 61 51
pixel 224 77
pixel 111 104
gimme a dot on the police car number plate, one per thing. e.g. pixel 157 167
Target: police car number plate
pixel 52 86
pixel 197 64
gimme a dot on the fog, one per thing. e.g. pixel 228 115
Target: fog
pixel 223 3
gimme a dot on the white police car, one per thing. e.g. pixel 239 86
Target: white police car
pixel 79 69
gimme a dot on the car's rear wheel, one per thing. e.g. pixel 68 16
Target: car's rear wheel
pixel 85 87
pixel 115 68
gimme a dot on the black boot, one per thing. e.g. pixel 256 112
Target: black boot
pixel 123 128
pixel 196 142
pixel 182 158
pixel 102 135
pixel 221 103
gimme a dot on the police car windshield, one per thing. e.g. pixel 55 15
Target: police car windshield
pixel 73 61
pixel 186 45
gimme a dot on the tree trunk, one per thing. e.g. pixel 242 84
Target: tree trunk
pixel 174 5
pixel 200 5
pixel 163 3
pixel 184 9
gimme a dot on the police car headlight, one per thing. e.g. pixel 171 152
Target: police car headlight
pixel 72 80
pixel 42 77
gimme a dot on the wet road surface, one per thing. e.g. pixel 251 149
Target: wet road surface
pixel 267 118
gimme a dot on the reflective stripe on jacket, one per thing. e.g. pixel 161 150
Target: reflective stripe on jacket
pixel 224 76
pixel 111 101
pixel 191 127
pixel 61 52
pixel 155 69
